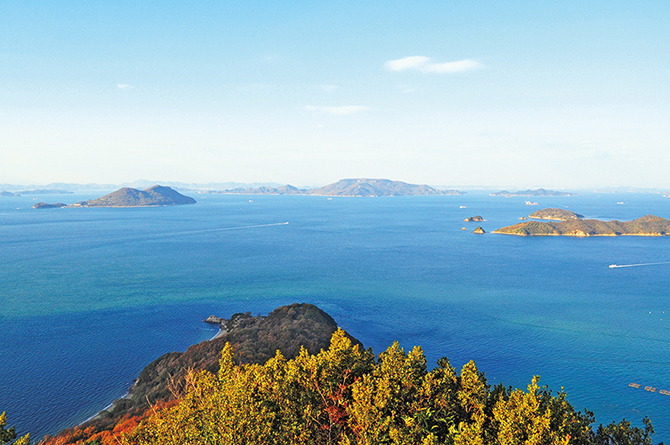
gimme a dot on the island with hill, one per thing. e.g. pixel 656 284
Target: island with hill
pixel 357 187
pixel 128 197
pixel 537 192
pixel 648 225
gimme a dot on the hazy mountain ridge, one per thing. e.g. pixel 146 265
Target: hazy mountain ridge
pixel 537 192
pixel 378 187
pixel 358 187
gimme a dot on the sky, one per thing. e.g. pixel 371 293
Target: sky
pixel 558 94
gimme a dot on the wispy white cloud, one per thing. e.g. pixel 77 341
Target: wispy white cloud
pixel 123 86
pixel 338 111
pixel 453 67
pixel 426 65
pixel 329 88
pixel 407 63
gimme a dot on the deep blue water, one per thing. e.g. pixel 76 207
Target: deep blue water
pixel 91 296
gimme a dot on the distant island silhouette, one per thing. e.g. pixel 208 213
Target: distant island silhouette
pixel 538 192
pixel 359 187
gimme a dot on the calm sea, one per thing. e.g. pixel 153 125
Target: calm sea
pixel 88 297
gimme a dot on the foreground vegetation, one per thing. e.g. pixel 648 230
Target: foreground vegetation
pixel 345 395
pixel 332 393
pixel 8 435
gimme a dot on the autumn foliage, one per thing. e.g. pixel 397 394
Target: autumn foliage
pixel 346 395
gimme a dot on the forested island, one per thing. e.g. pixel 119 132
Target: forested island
pixel 256 384
pixel 568 223
pixel 358 187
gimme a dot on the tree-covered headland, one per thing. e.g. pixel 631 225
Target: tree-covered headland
pixel 344 394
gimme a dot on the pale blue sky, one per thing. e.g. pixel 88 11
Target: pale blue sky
pixel 520 94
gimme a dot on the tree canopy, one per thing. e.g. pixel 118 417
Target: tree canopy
pixel 345 395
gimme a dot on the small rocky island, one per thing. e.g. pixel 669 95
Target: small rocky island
pixel 474 219
pixel 575 225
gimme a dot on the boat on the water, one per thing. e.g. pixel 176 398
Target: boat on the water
pixel 612 266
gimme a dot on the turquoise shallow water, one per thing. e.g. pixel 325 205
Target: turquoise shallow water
pixel 90 296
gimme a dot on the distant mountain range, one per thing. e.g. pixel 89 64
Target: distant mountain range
pixel 362 187
pixel 538 192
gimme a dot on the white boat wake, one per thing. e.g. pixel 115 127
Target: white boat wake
pixel 613 266
pixel 218 229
